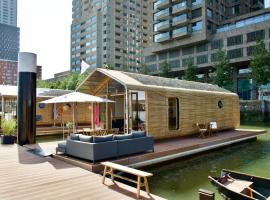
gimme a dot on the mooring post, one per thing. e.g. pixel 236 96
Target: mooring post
pixel 26 101
pixel 206 195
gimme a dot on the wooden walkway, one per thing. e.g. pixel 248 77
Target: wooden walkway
pixel 27 176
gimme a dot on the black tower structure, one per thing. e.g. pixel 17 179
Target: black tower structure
pixel 26 112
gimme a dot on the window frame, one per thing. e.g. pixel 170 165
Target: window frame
pixel 177 122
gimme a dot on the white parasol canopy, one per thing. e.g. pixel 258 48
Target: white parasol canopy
pixel 76 97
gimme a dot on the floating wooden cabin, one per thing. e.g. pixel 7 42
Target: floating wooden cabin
pixel 46 114
pixel 164 107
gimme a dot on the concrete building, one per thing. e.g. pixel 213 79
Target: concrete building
pixel 110 32
pixel 8 12
pixel 59 76
pixel 9 72
pixel 194 30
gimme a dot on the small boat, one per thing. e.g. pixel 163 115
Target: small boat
pixel 239 186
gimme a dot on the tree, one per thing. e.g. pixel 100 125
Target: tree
pixel 260 64
pixel 190 72
pixel 143 69
pixel 222 70
pixel 107 66
pixel 165 70
pixel 70 82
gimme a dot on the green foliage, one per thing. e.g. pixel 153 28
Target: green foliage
pixel 8 127
pixel 260 64
pixel 166 70
pixel 190 72
pixel 70 82
pixel 144 69
pixel 222 70
pixel 69 125
pixel 107 66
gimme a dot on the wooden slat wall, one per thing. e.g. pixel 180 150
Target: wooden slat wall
pixel 83 114
pixel 201 107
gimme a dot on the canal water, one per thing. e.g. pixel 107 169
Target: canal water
pixel 181 179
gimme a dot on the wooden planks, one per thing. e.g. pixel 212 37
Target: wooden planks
pixel 194 107
pixel 26 176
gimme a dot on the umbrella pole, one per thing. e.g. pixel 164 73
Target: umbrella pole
pixel 73 117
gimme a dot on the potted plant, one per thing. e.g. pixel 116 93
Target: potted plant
pixel 8 128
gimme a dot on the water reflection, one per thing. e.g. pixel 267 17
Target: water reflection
pixel 182 179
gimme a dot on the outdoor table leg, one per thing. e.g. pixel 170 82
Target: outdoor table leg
pixel 104 174
pixel 138 186
pixel 146 185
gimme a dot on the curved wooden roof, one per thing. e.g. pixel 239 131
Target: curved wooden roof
pixel 141 81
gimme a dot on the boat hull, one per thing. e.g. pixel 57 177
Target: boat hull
pixel 260 184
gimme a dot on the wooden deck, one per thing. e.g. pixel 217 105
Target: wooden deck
pixel 170 149
pixel 26 176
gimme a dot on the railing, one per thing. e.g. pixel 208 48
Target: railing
pixel 196 2
pixel 157 3
pixel 180 30
pixel 161 37
pixel 179 5
pixel 245 22
pixel 160 24
pixel 179 18
pixel 158 14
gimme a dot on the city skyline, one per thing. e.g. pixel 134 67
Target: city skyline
pixel 47 44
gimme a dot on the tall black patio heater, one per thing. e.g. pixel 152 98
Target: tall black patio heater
pixel 26 112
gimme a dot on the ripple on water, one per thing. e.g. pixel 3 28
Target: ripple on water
pixel 182 179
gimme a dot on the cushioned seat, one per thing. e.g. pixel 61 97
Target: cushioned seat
pixel 61 147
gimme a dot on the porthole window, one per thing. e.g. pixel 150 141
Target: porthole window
pixel 220 104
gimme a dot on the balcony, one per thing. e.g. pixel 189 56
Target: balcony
pixel 162 37
pixel 163 14
pixel 162 26
pixel 180 20
pixel 181 32
pixel 160 4
pixel 180 7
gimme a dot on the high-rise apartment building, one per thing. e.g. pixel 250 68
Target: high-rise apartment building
pixel 194 30
pixel 8 12
pixel 110 32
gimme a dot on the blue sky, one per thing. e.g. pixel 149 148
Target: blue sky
pixel 45 30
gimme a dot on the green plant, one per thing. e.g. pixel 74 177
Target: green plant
pixel 8 127
pixel 190 72
pixel 222 70
pixel 69 125
pixel 260 64
pixel 166 70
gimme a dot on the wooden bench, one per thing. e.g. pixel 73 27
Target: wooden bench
pixel 109 168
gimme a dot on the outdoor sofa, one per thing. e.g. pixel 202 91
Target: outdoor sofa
pixel 96 148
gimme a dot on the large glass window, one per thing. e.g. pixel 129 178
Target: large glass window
pixel 197 26
pixel 173 113
pixel 138 110
pixel 235 40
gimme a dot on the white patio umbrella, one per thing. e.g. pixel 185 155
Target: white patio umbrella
pixel 77 97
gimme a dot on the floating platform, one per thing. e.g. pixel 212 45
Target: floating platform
pixel 170 149
pixel 30 177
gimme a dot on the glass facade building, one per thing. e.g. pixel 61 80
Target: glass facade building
pixel 9 42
